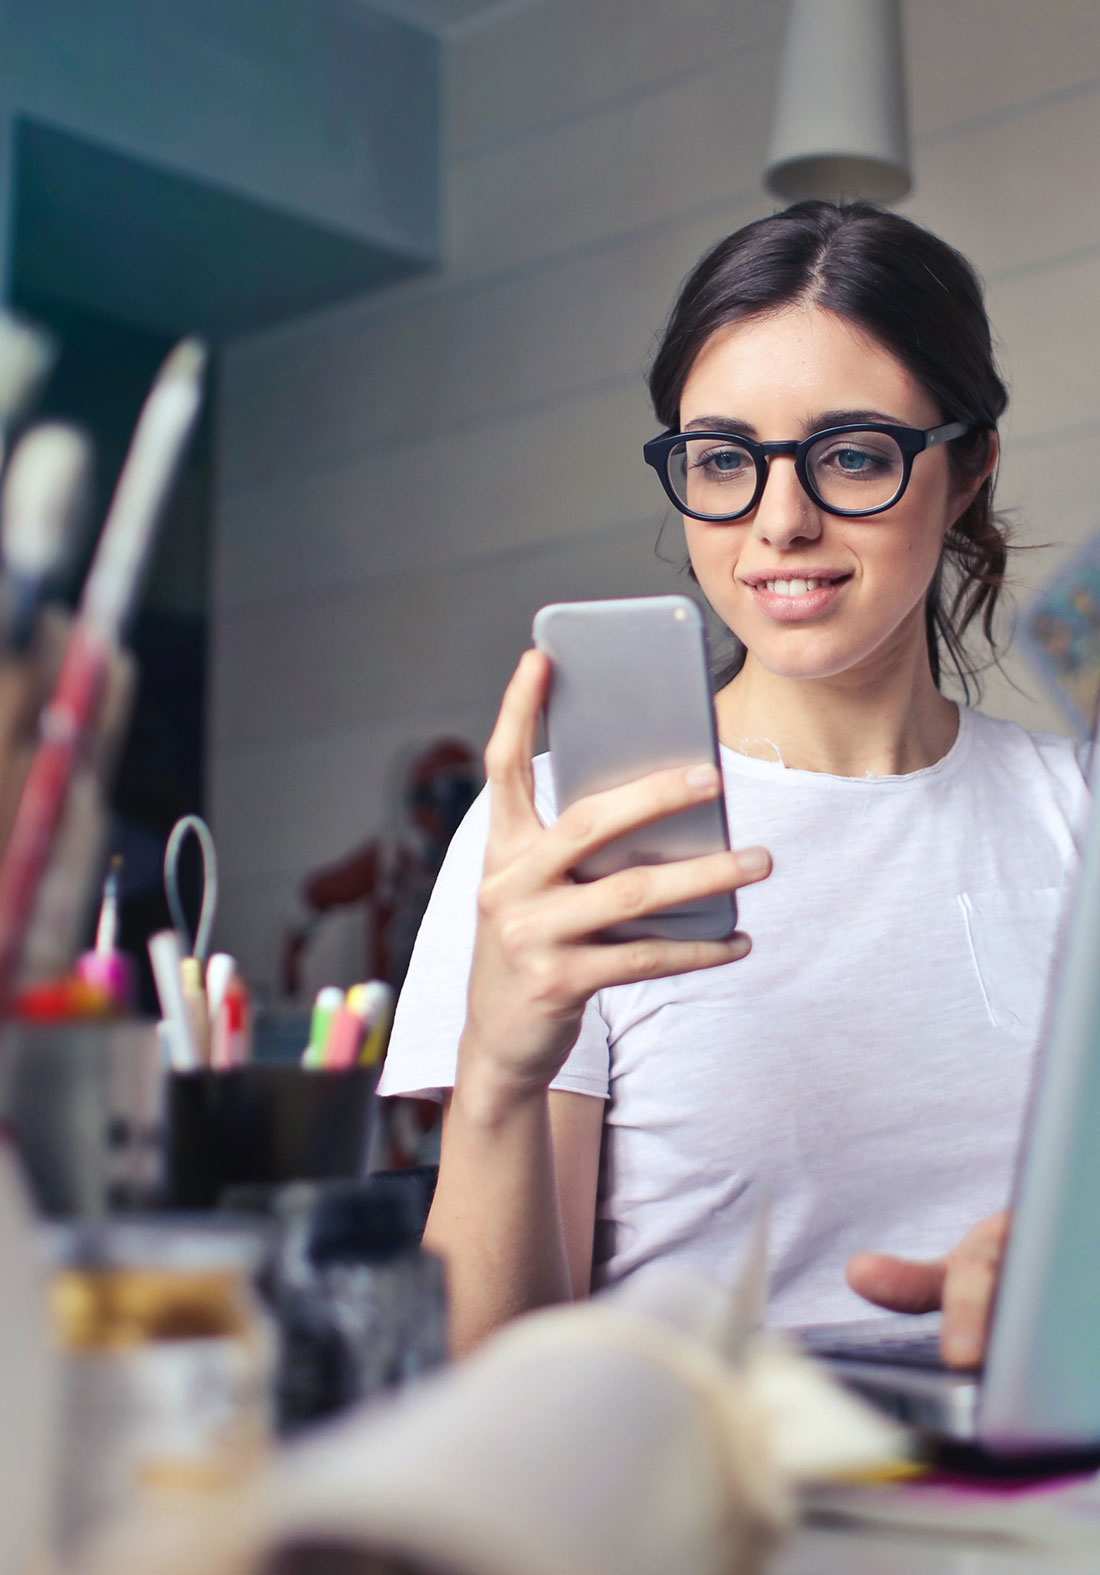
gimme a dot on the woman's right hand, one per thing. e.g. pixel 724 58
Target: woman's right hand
pixel 536 960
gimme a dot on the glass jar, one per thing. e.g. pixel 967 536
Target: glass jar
pixel 166 1367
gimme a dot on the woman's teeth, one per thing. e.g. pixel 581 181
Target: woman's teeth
pixel 793 587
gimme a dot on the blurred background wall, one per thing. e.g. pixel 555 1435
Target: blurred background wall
pixel 403 480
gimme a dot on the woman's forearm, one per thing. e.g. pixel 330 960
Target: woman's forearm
pixel 496 1218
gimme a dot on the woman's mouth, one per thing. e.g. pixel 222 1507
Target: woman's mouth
pixel 790 598
pixel 793 587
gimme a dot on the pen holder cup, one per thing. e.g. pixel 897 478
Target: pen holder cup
pixel 262 1125
pixel 85 1106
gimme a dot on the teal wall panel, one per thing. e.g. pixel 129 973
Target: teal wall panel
pixel 216 163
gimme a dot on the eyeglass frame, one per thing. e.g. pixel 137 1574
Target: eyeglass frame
pixel 910 440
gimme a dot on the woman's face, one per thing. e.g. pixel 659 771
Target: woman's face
pixel 784 376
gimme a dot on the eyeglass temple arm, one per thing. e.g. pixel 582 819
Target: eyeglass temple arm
pixel 946 434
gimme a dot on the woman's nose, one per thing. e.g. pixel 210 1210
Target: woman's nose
pixel 786 514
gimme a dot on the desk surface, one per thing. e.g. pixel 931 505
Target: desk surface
pixel 184 1536
pixel 828 1551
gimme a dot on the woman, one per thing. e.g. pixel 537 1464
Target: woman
pixel 832 404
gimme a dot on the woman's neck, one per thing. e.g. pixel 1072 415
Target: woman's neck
pixel 847 726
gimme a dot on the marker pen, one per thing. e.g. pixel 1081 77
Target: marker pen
pixel 165 956
pixel 347 1031
pixel 379 1001
pixel 329 1000
pixel 194 999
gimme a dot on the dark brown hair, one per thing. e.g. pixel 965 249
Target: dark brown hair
pixel 922 301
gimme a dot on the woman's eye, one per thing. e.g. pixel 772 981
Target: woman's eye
pixel 723 462
pixel 851 461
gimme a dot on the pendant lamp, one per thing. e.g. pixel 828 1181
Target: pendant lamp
pixel 840 127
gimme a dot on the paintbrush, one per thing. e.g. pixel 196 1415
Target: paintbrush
pixel 27 356
pixel 47 490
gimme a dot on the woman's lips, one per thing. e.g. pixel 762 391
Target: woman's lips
pixel 796 601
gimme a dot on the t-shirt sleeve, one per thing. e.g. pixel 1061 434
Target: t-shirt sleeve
pixel 423 1049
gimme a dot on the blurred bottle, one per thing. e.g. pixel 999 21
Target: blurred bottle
pixel 361 1306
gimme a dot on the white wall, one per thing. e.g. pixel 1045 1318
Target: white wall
pixel 404 480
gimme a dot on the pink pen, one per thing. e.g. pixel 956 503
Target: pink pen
pixel 346 1033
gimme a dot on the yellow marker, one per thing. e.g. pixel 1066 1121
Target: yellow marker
pixel 194 999
pixel 378 1003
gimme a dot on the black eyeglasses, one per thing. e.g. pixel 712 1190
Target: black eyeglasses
pixel 852 470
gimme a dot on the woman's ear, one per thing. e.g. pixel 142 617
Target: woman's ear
pixel 968 490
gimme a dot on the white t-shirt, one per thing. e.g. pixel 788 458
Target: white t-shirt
pixel 867 1064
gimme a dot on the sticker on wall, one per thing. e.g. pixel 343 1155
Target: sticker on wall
pixel 1059 634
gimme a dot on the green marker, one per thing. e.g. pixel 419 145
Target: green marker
pixel 328 1003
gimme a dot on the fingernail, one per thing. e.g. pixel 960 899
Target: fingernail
pixel 704 779
pixel 753 861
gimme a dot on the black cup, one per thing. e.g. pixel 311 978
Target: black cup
pixel 263 1125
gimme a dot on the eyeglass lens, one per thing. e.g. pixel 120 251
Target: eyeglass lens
pixel 854 471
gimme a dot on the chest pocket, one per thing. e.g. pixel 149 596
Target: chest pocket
pixel 1012 939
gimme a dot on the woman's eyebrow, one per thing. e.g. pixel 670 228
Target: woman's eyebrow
pixel 845 418
pixel 721 424
pixel 817 423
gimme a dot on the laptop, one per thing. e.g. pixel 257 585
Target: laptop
pixel 1038 1391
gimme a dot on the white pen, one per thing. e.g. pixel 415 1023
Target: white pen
pixel 219 970
pixel 166 954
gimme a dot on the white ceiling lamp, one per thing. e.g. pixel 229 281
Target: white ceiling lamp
pixel 840 127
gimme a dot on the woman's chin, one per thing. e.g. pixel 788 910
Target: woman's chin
pixel 807 653
pixel 805 659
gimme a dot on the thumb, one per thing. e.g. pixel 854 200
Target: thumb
pixel 902 1284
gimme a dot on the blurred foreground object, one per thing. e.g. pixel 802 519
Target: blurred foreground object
pixel 625 1436
pixel 166 1364
pixel 840 124
pixel 27 1383
pixel 361 1306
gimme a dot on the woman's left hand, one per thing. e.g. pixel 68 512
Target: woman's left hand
pixel 962 1283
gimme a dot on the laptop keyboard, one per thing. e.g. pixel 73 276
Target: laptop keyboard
pixel 915 1350
pixel 897 1343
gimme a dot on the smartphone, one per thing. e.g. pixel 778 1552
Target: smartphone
pixel 630 694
